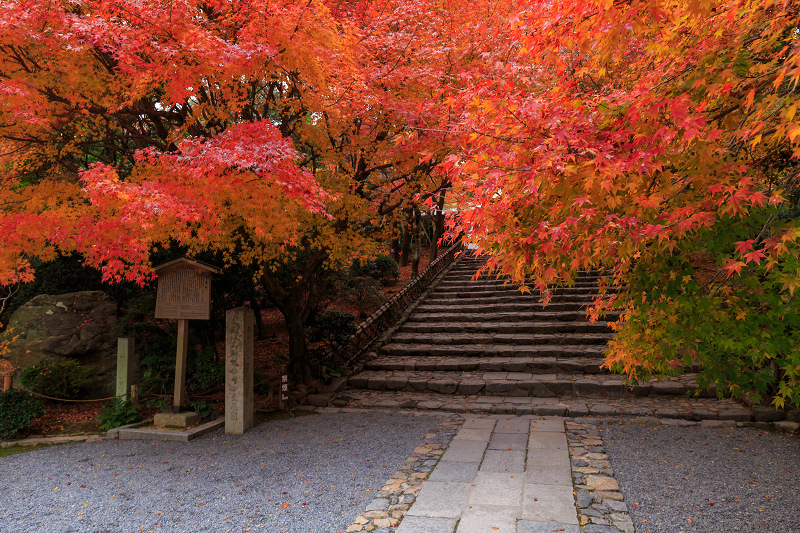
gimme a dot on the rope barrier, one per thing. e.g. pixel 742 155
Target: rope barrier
pixel 76 401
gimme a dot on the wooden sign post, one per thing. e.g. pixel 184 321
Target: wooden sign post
pixel 184 293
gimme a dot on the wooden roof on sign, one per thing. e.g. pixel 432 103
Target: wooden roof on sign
pixel 185 261
pixel 184 290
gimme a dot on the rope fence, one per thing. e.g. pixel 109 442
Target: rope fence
pixel 75 401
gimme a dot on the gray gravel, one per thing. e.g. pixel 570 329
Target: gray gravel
pixel 311 473
pixel 710 480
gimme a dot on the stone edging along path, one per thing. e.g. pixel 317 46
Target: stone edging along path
pixel 600 505
pixel 399 492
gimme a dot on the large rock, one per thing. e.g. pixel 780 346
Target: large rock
pixel 78 325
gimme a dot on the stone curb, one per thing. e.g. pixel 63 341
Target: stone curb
pixel 36 441
pixel 392 502
pixel 132 432
pixel 601 505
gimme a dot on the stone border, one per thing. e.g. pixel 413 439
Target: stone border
pixel 601 505
pixel 131 431
pixel 61 439
pixel 392 502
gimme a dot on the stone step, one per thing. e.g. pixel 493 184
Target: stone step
pixel 533 365
pixel 468 281
pixel 443 299
pixel 494 350
pixel 477 382
pixel 481 290
pixel 506 327
pixel 723 412
pixel 508 307
pixel 528 316
pixel 509 339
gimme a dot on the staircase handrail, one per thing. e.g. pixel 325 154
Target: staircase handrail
pixel 379 321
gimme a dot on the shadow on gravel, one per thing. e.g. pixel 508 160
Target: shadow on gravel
pixel 308 474
pixel 710 480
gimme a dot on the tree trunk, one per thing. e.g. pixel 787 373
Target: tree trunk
pixel 405 250
pixel 396 249
pixel 437 219
pixel 299 369
pixel 259 321
pixel 417 243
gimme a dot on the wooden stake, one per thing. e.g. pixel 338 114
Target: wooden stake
pixel 180 365
pixel 7 382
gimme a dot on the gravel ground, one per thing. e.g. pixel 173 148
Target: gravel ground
pixel 312 473
pixel 710 480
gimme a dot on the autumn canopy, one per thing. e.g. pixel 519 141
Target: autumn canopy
pixel 659 139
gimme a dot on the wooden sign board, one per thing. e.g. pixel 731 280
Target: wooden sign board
pixel 184 290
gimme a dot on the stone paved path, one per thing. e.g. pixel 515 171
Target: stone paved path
pixel 499 474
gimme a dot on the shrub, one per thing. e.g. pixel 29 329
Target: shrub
pixel 207 411
pixel 58 379
pixel 119 412
pixel 203 371
pixel 18 409
pixel 383 268
pixel 366 294
pixel 159 404
pixel 332 328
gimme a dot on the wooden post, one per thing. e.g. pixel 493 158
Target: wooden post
pixel 284 393
pixel 7 382
pixel 180 365
pixel 134 394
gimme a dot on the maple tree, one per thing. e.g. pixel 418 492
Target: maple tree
pixel 658 139
pixel 128 126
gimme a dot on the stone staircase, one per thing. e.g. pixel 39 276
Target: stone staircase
pixel 480 345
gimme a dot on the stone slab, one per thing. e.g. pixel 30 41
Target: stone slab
pixel 529 526
pixel 426 524
pixel 441 499
pixel 547 440
pixel 138 433
pixel 548 457
pixel 184 420
pixel 547 424
pixel 465 451
pixel 513 425
pixel 503 461
pixel 549 475
pixel 506 441
pixel 479 423
pixel 495 488
pixel 549 503
pixel 480 434
pixel 488 518
pixel 454 471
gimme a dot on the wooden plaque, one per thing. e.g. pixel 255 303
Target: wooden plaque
pixel 184 290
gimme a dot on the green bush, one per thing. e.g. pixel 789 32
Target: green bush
pixel 67 380
pixel 207 411
pixel 119 413
pixel 18 409
pixel 383 268
pixel 366 294
pixel 203 371
pixel 332 328
pixel 159 404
